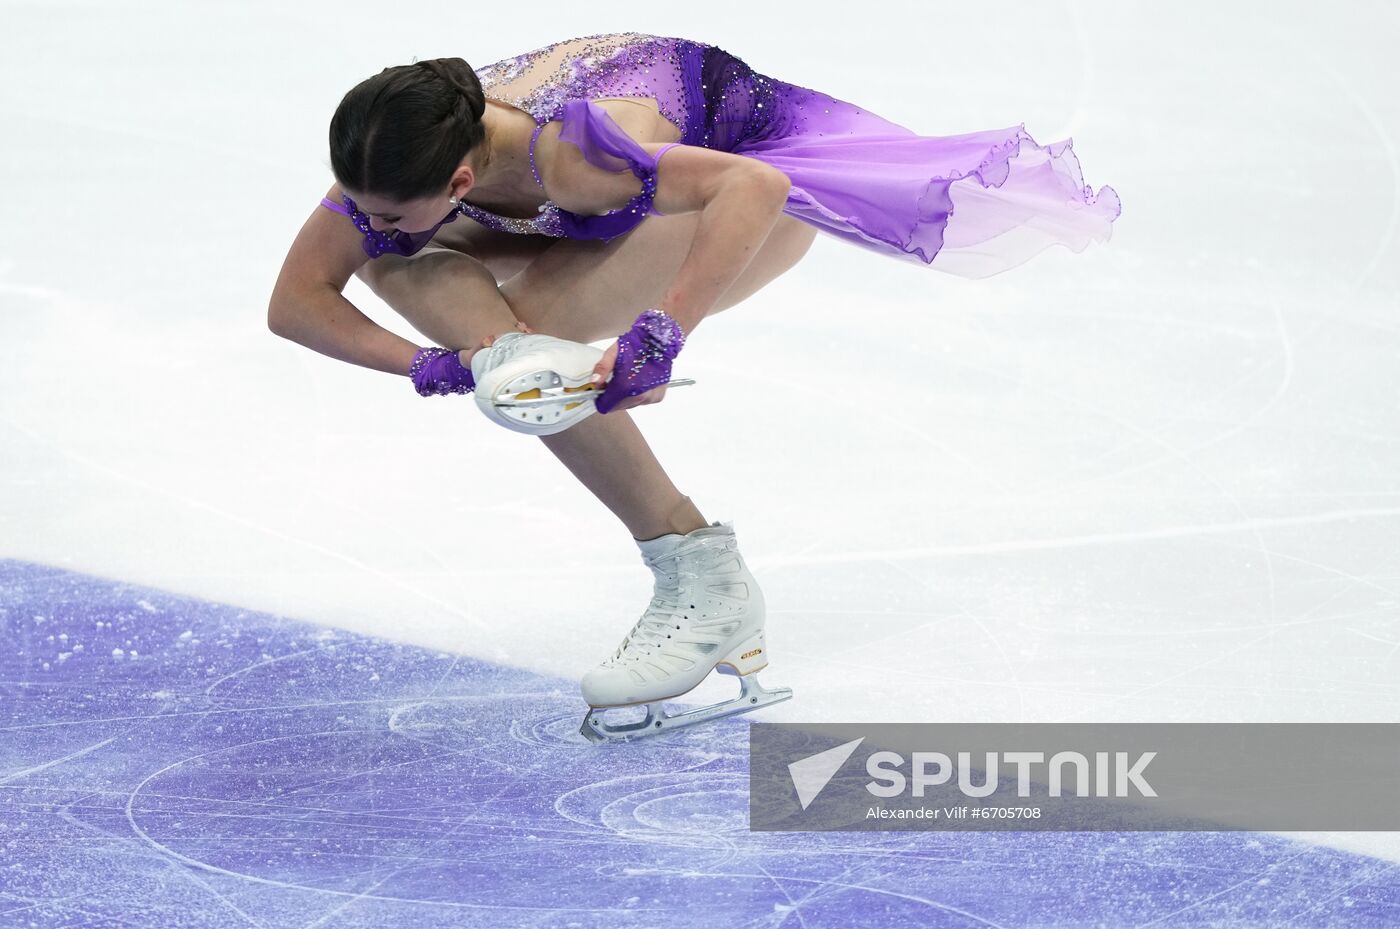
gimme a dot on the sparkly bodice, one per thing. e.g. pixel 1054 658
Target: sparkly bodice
pixel 714 99
pixel 546 223
pixel 852 173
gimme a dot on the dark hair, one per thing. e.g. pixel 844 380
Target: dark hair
pixel 401 133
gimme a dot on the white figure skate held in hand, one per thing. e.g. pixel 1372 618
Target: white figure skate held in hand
pixel 706 614
pixel 537 384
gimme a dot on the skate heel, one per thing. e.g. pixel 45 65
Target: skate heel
pixel 747 657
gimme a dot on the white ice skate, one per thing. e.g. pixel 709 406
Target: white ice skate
pixel 537 384
pixel 706 614
pixel 522 366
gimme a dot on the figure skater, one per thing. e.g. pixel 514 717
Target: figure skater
pixel 575 230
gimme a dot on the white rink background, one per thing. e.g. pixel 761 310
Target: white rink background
pixel 1155 481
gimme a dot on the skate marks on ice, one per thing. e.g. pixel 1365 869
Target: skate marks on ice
pixel 165 760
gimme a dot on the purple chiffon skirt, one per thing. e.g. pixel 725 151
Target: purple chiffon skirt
pixel 972 205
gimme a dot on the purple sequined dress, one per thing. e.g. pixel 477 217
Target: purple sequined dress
pixel 972 205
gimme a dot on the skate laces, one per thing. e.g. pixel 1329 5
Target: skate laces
pixel 658 620
pixel 655 624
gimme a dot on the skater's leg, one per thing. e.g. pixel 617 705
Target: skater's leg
pixel 586 290
pixel 589 290
pixel 452 299
pixel 449 296
pixel 583 290
pixel 613 460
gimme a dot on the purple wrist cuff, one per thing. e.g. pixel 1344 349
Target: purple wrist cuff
pixel 644 355
pixel 438 371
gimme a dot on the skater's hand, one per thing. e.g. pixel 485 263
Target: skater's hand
pixel 602 373
pixel 644 354
pixel 465 355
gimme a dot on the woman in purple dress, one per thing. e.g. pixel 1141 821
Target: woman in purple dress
pixel 514 213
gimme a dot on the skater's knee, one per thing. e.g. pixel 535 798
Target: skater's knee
pixel 378 273
pixel 394 278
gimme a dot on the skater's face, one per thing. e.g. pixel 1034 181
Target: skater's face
pixel 386 215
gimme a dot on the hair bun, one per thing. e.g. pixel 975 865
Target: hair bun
pixel 403 133
pixel 477 104
pixel 443 68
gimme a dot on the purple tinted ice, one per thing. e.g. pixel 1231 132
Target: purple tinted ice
pixel 167 761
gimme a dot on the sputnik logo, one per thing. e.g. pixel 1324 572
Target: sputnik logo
pixel 810 775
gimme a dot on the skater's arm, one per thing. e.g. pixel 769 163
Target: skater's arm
pixel 739 204
pixel 739 200
pixel 307 305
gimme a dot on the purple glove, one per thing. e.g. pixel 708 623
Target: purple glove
pixel 644 355
pixel 437 371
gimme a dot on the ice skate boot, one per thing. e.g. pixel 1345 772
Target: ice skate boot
pixel 706 614
pixel 538 384
pixel 535 384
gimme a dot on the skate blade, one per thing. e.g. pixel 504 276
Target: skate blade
pixel 569 396
pixel 752 696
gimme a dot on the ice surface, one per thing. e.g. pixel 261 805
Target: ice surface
pixel 1153 481
pixel 279 775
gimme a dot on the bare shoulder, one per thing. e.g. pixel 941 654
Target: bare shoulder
pixel 638 118
pixel 574 184
pixel 326 251
pixel 690 178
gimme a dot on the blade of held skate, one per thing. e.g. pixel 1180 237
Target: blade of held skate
pixel 555 395
pixel 753 696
